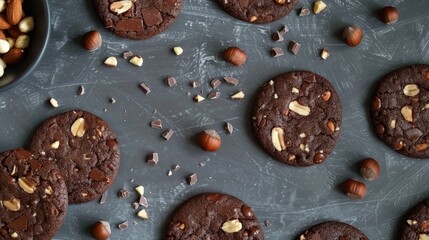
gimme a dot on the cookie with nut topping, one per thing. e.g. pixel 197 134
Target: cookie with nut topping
pixel 33 196
pixel 297 118
pixel 333 230
pixel 85 149
pixel 138 19
pixel 258 11
pixel 416 224
pixel 400 110
pixel 214 216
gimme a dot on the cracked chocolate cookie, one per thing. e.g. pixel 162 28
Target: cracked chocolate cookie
pixel 258 11
pixel 416 225
pixel 297 118
pixel 333 231
pixel 138 19
pixel 400 110
pixel 214 216
pixel 33 196
pixel 85 149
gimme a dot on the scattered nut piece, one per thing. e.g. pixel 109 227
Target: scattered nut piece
pixel 120 7
pixel 235 56
pixel 407 113
pixel 139 190
pixel 352 35
pixel 299 109
pixel 232 226
pixel 111 62
pixel 137 60
pixel 411 90
pixel 393 124
pixel 229 128
pixel 277 138
pixel 91 40
pixel 198 98
pixel 178 51
pixel 143 214
pixel 370 169
pixel 49 190
pixel 304 12
pixel 411 222
pixel 238 95
pixel 354 189
pixel 319 6
pixel 209 140
pixel 55 145
pixel 53 102
pixel 389 15
pixel 101 230
pixel 324 54
pixel 78 127
pixel 81 90
pixel 13 204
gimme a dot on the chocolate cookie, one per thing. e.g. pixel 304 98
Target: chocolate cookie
pixel 258 11
pixel 333 231
pixel 416 225
pixel 33 196
pixel 297 118
pixel 85 149
pixel 138 19
pixel 214 216
pixel 400 110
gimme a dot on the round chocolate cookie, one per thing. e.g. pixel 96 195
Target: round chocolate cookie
pixel 416 225
pixel 297 118
pixel 33 196
pixel 400 110
pixel 138 19
pixel 333 231
pixel 85 149
pixel 214 216
pixel 258 11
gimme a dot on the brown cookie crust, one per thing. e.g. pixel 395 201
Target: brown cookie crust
pixel 302 111
pixel 145 19
pixel 416 225
pixel 33 196
pixel 333 230
pixel 400 110
pixel 204 215
pixel 89 163
pixel 258 11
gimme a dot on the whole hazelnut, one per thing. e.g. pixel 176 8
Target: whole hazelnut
pixel 352 35
pixel 235 56
pixel 389 15
pixel 91 40
pixel 209 140
pixel 354 189
pixel 370 169
pixel 101 230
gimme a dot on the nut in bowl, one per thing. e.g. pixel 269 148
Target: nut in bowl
pixel 24 33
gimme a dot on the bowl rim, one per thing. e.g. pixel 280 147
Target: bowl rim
pixel 39 57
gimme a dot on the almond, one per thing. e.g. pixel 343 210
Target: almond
pixel 14 32
pixel 4 23
pixel 14 56
pixel 14 11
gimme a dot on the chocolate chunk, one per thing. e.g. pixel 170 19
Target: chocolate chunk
pixel 143 201
pixel 175 167
pixel 151 16
pixel 123 225
pixel 284 30
pixel 215 83
pixel 228 127
pixel 152 159
pixel 304 12
pixel 135 25
pixel 103 198
pixel 123 193
pixel 195 84
pixel 135 205
pixel 267 223
pixel 156 123
pixel 144 88
pixel 231 81
pixel 127 54
pixel 413 134
pixel 294 47
pixel 192 179
pixel 277 37
pixel 19 224
pixel 80 90
pixel 167 134
pixel 97 175
pixel 171 81
pixel 213 95
pixel 277 52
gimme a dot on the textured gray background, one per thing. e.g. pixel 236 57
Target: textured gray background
pixel 290 198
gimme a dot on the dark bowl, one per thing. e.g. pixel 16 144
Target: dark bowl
pixel 15 74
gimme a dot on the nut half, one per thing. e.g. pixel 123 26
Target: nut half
pixel 298 108
pixel 120 7
pixel 277 138
pixel 13 205
pixel 411 90
pixel 78 127
pixel 232 226
pixel 27 185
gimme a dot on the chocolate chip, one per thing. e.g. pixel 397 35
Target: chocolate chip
pixel 123 193
pixel 97 175
pixel 152 159
pixel 319 158
pixel 294 47
pixel 195 84
pixel 277 52
pixel 145 88
pixel 129 25
pixel 213 95
pixel 215 83
pixel 379 129
pixel 277 37
pixel 376 104
pixel 80 90
pixel 156 123
pixel 228 127
pixel 284 30
pixel 231 81
pixel 143 202
pixel 167 134
pixel 103 198
pixel 123 225
pixel 171 81
pixel 151 16
pixel 192 179
pixel 34 164
pixel 247 211
pixel 127 54
pixel 304 12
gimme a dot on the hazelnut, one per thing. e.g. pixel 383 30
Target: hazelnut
pixel 370 169
pixel 91 40
pixel 209 140
pixel 354 189
pixel 101 230
pixel 352 35
pixel 235 56
pixel 389 15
